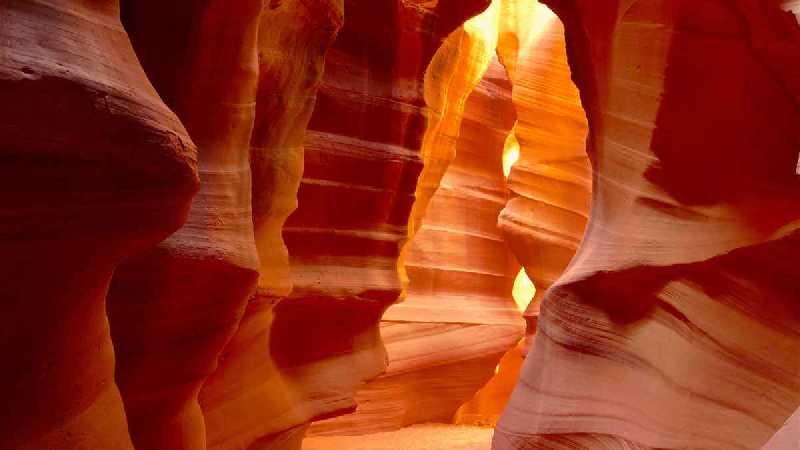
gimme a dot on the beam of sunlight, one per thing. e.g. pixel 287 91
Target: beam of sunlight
pixel 540 22
pixel 510 153
pixel 523 290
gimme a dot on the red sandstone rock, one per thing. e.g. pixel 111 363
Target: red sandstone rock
pixel 173 308
pixel 432 371
pixel 93 167
pixel 551 181
pixel 486 406
pixel 346 251
pixel 460 269
pixel 458 317
pixel 249 402
pixel 675 326
pixel 361 166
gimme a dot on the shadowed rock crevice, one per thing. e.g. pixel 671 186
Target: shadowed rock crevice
pixel 94 167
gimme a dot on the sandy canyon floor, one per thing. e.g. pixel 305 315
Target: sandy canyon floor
pixel 418 437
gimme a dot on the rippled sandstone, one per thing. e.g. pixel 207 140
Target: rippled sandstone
pixel 93 168
pixel 675 326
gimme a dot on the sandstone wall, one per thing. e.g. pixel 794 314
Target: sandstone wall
pixel 93 167
pixel 675 326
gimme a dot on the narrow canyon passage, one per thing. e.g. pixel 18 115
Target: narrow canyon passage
pixel 399 224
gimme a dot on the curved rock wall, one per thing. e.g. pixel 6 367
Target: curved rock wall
pixel 431 373
pixel 675 326
pixel 361 167
pixel 458 300
pixel 446 337
pixel 457 317
pixel 249 402
pixel 242 76
pixel 93 167
pixel 550 182
pixel 173 308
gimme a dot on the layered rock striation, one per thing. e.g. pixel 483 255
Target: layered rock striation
pixel 457 317
pixel 459 272
pixel 550 182
pixel 675 326
pixel 249 402
pixel 207 308
pixel 361 166
pixel 174 307
pixel 93 167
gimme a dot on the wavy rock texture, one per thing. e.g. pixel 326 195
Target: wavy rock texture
pixel 93 167
pixel 548 213
pixel 458 318
pixel 361 167
pixel 676 326
pixel 250 402
pixel 551 181
pixel 173 308
pixel 455 70
pixel 486 406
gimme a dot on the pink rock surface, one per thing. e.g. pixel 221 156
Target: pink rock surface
pixel 675 326
pixel 788 437
pixel 136 317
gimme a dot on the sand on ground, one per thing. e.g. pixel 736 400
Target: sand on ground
pixel 417 437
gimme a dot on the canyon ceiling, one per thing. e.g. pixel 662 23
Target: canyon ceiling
pixel 230 224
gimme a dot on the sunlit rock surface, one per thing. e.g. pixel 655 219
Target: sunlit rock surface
pixel 249 402
pixel 360 168
pixel 446 337
pixel 460 270
pixel 550 181
pixel 93 167
pixel 675 326
pixel 485 407
pixel 457 316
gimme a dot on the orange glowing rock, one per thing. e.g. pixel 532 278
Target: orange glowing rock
pixel 137 318
pixel 309 337
pixel 249 402
pixel 485 407
pixel 457 317
pixel 551 178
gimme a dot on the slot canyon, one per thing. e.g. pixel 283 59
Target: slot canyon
pixel 400 224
